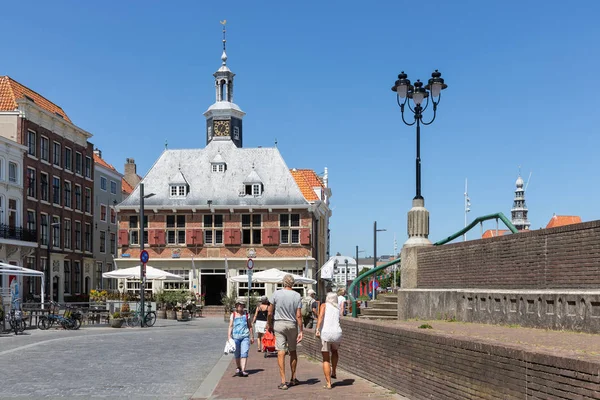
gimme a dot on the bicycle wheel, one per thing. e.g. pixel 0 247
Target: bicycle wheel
pixel 150 318
pixel 21 326
pixel 133 321
pixel 43 323
pixel 76 323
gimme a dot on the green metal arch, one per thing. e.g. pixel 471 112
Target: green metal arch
pixel 496 216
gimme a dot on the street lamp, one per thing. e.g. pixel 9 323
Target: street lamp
pixel 346 278
pixel 49 249
pixel 418 217
pixel 375 230
pixel 142 276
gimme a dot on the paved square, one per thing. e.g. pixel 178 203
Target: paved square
pixel 167 361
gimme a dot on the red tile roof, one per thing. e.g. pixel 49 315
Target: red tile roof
pixel 492 233
pixel 126 187
pixel 307 179
pixel 99 160
pixel 562 220
pixel 11 91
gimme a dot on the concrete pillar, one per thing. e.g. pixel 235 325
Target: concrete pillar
pixel 418 236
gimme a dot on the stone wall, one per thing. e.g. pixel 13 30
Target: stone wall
pixel 428 365
pixel 565 257
pixel 548 309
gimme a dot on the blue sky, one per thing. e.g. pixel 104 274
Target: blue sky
pixel 316 76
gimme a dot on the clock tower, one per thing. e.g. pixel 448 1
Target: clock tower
pixel 224 117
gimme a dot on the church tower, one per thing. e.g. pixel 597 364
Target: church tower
pixel 224 117
pixel 519 209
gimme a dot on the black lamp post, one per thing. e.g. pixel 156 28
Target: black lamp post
pixel 417 93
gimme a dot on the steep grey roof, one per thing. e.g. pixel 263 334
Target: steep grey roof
pixel 223 188
pixel 218 159
pixel 178 178
pixel 253 177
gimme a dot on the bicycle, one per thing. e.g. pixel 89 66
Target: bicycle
pixel 16 322
pixel 68 321
pixel 149 317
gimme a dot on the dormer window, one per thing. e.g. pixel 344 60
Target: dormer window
pixel 179 191
pixel 218 167
pixel 253 189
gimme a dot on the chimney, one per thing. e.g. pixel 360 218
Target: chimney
pixel 98 152
pixel 131 175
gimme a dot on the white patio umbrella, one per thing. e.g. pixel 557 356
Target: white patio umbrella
pixel 272 275
pixel 134 273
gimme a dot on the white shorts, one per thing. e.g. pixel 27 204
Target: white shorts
pixel 259 326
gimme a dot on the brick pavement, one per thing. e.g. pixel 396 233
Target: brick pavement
pixel 264 378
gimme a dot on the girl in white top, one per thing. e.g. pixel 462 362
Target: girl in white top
pixel 330 332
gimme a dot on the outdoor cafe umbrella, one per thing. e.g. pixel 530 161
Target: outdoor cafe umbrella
pixel 272 275
pixel 134 273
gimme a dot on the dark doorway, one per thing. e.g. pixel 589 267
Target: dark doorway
pixel 54 288
pixel 213 286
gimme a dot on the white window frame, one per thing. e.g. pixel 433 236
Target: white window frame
pixel 287 231
pixel 31 146
pixel 78 235
pixel 47 187
pixel 44 232
pixel 68 200
pixel 68 234
pixel 103 207
pixel 78 206
pixel 212 231
pixel 87 167
pixel 177 230
pixel 80 164
pixel 178 191
pixel 87 200
pixel 68 160
pixel 56 157
pixel 32 189
pixel 15 176
pixel 251 228
pixel 87 235
pixel 55 231
pixel 103 183
pixel 102 237
pixel 45 156
pixel 54 191
pixel 113 187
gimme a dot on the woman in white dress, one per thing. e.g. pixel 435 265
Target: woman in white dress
pixel 330 332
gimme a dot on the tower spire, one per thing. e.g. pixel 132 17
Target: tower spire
pixel 519 209
pixel 224 55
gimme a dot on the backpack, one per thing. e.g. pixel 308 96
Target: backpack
pixel 307 306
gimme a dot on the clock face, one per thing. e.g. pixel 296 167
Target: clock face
pixel 221 128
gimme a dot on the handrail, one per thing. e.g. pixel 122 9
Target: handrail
pixel 361 277
pixel 477 220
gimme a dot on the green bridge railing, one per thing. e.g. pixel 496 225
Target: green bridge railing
pixel 496 216
pixel 363 276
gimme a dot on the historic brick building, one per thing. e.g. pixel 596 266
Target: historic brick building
pixel 58 176
pixel 208 210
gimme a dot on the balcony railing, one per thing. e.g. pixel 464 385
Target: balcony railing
pixel 17 233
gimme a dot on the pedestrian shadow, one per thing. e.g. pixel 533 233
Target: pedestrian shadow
pixel 254 371
pixel 345 382
pixel 311 381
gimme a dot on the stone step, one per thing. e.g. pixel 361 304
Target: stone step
pixel 381 304
pixel 378 311
pixel 212 310
pixel 387 297
pixel 387 317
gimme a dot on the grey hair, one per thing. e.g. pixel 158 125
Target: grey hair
pixel 332 299
pixel 288 280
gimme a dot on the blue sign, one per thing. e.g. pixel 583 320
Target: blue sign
pixel 144 256
pixel 125 255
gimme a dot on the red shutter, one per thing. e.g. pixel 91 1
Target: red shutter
pixel 123 237
pixel 304 236
pixel 199 233
pixel 236 237
pixel 226 237
pixel 193 237
pixel 275 236
pixel 160 237
pixel 152 237
pixel 266 237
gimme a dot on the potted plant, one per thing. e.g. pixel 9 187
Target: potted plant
pixel 228 304
pixel 161 304
pixel 116 321
pixel 170 303
pixel 182 297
